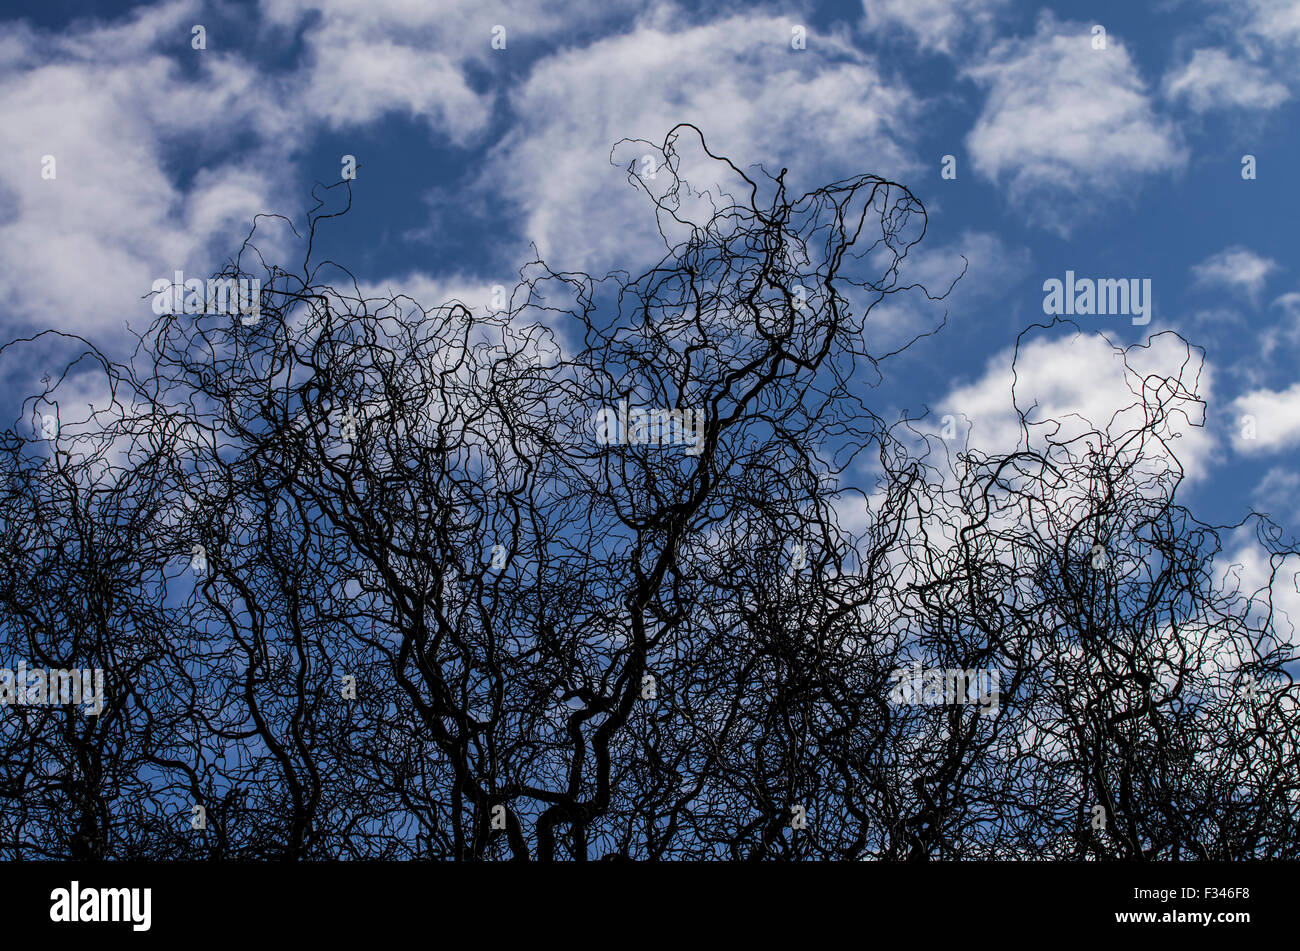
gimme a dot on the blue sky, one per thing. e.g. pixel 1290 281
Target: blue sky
pixel 1122 162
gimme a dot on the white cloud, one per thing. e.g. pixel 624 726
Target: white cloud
pixel 1236 268
pixel 1276 416
pixel 1068 387
pixel 1265 23
pixel 1212 79
pixel 111 102
pixel 1278 493
pixel 356 81
pixel 366 60
pixel 1248 58
pixel 1267 579
pixel 738 79
pixel 1065 125
pixel 992 268
pixel 1278 18
pixel 1287 330
pixel 1290 302
pixel 934 24
pixel 113 105
pixel 79 250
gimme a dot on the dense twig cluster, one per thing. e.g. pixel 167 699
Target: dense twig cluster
pixel 365 583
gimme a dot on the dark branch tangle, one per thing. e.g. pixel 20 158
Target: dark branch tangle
pixel 365 584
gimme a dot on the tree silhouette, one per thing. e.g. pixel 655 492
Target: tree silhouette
pixel 568 579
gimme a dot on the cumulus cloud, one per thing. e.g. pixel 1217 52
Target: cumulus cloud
pixel 1269 580
pixel 738 79
pixel 1274 420
pixel 1277 492
pixel 1065 125
pixel 1212 79
pixel 936 25
pixel 1258 25
pixel 434 63
pixel 1245 57
pixel 80 247
pixel 991 267
pixel 122 106
pixel 357 81
pixel 1235 268
pixel 1286 333
pixel 1117 395
pixel 363 61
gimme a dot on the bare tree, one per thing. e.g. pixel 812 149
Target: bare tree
pixel 568 579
